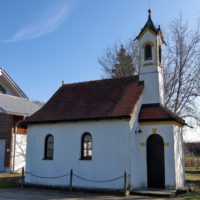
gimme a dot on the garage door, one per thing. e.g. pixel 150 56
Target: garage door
pixel 2 155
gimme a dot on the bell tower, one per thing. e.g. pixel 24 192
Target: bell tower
pixel 151 72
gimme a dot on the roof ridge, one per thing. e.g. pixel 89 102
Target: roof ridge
pixel 136 77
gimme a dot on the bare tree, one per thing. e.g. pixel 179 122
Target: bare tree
pixel 19 156
pixel 181 67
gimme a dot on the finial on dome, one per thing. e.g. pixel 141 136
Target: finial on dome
pixel 149 11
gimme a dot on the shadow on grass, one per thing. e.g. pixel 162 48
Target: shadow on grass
pixel 193 172
pixel 9 182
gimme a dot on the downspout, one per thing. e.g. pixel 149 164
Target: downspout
pixel 13 163
pixel 129 170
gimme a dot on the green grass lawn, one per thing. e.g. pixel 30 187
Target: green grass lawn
pixel 9 180
pixel 192 196
pixel 188 157
pixel 193 177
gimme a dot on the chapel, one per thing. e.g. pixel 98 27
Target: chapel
pixel 103 128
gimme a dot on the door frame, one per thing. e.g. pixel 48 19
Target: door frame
pixel 3 142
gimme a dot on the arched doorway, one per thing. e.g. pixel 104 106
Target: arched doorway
pixel 155 162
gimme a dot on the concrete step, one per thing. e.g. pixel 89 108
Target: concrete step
pixel 154 192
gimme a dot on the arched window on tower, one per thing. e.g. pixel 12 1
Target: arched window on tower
pixel 148 52
pixel 160 54
pixel 86 147
pixel 2 90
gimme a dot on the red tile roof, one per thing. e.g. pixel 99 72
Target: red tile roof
pixel 93 100
pixel 157 112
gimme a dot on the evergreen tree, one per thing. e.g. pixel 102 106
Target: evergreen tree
pixel 120 61
pixel 124 64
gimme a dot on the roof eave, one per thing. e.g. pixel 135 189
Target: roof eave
pixel 15 113
pixel 74 120
pixel 13 84
pixel 162 120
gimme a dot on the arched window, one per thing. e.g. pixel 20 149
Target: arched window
pixel 148 52
pixel 49 147
pixel 160 54
pixel 86 146
pixel 2 90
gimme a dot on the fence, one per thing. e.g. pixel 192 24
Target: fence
pixel 74 175
pixel 195 162
pixel 19 130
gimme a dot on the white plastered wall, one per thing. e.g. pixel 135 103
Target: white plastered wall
pixel 152 74
pixel 179 157
pixel 19 151
pixel 148 36
pixel 139 163
pixel 110 153
pixel 116 149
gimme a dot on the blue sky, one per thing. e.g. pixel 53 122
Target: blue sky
pixel 45 41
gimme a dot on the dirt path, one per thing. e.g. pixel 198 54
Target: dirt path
pixel 41 194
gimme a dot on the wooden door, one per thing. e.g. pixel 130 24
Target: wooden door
pixel 155 162
pixel 2 155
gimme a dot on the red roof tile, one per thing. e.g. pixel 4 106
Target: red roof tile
pixel 93 100
pixel 157 112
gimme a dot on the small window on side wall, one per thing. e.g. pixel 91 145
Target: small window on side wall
pixel 2 90
pixel 160 54
pixel 86 147
pixel 49 147
pixel 148 52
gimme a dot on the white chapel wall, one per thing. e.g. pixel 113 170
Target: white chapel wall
pixel 140 154
pixel 134 171
pixel 20 152
pixel 148 37
pixel 112 154
pixel 109 160
pixel 179 157
pixel 150 72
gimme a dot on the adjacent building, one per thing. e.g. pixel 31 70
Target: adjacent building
pixel 14 107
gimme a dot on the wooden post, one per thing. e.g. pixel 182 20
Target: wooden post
pixel 71 180
pixel 22 181
pixel 126 192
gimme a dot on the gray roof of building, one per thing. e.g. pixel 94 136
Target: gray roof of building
pixel 18 106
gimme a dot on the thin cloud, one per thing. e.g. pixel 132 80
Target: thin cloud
pixel 49 20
